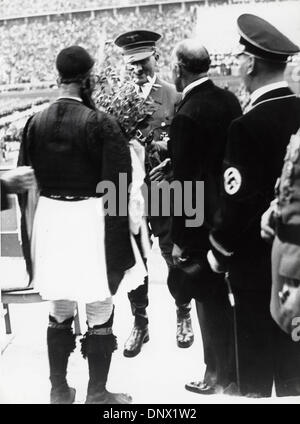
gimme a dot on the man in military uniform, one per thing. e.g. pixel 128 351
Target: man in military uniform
pixel 139 51
pixel 280 224
pixel 254 156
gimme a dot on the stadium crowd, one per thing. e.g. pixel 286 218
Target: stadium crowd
pixel 28 50
pixel 18 8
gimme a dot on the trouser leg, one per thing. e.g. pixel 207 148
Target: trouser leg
pixel 256 350
pixel 287 346
pixel 139 297
pixel 210 375
pixel 216 324
pixel 287 362
pixel 181 296
pixel 139 302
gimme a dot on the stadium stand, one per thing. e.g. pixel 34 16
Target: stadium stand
pixel 28 47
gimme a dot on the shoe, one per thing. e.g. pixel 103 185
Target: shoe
pixel 135 341
pixel 107 397
pixel 184 334
pixel 201 388
pixel 60 397
pixel 231 390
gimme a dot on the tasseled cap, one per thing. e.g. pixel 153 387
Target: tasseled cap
pixel 74 62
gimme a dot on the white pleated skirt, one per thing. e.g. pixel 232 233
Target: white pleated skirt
pixel 68 252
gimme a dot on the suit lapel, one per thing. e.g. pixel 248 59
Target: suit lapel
pixel 156 93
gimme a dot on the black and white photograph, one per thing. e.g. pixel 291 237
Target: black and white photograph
pixel 150 204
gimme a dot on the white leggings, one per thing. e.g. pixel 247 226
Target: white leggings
pixel 97 313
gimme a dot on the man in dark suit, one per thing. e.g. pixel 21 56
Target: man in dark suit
pixel 197 144
pixel 139 51
pixel 253 161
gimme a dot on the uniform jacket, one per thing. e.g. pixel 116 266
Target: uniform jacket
pixel 253 161
pixel 165 98
pixel 71 149
pixel 286 247
pixel 288 197
pixel 197 144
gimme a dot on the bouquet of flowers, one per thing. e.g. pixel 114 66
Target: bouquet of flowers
pixel 117 96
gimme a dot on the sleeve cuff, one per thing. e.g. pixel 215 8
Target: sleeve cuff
pixel 221 249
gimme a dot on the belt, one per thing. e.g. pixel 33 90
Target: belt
pixel 288 233
pixel 65 197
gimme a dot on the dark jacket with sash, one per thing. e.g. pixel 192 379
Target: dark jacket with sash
pixel 71 149
pixel 253 161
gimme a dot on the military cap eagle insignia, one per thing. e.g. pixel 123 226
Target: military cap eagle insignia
pixel 133 37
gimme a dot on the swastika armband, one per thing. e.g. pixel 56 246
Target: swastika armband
pixel 232 180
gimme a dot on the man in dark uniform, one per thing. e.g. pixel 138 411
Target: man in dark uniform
pixel 253 161
pixel 197 143
pixel 139 51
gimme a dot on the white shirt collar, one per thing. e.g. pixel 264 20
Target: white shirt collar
pixel 70 97
pixel 194 84
pixel 265 89
pixel 147 87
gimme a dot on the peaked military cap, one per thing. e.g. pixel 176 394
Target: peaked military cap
pixel 73 62
pixel 263 40
pixel 137 45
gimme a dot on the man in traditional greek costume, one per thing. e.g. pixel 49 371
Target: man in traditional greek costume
pixel 75 252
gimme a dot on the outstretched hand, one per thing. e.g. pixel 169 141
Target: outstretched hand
pixel 20 179
pixel 177 253
pixel 161 171
pixel 267 231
